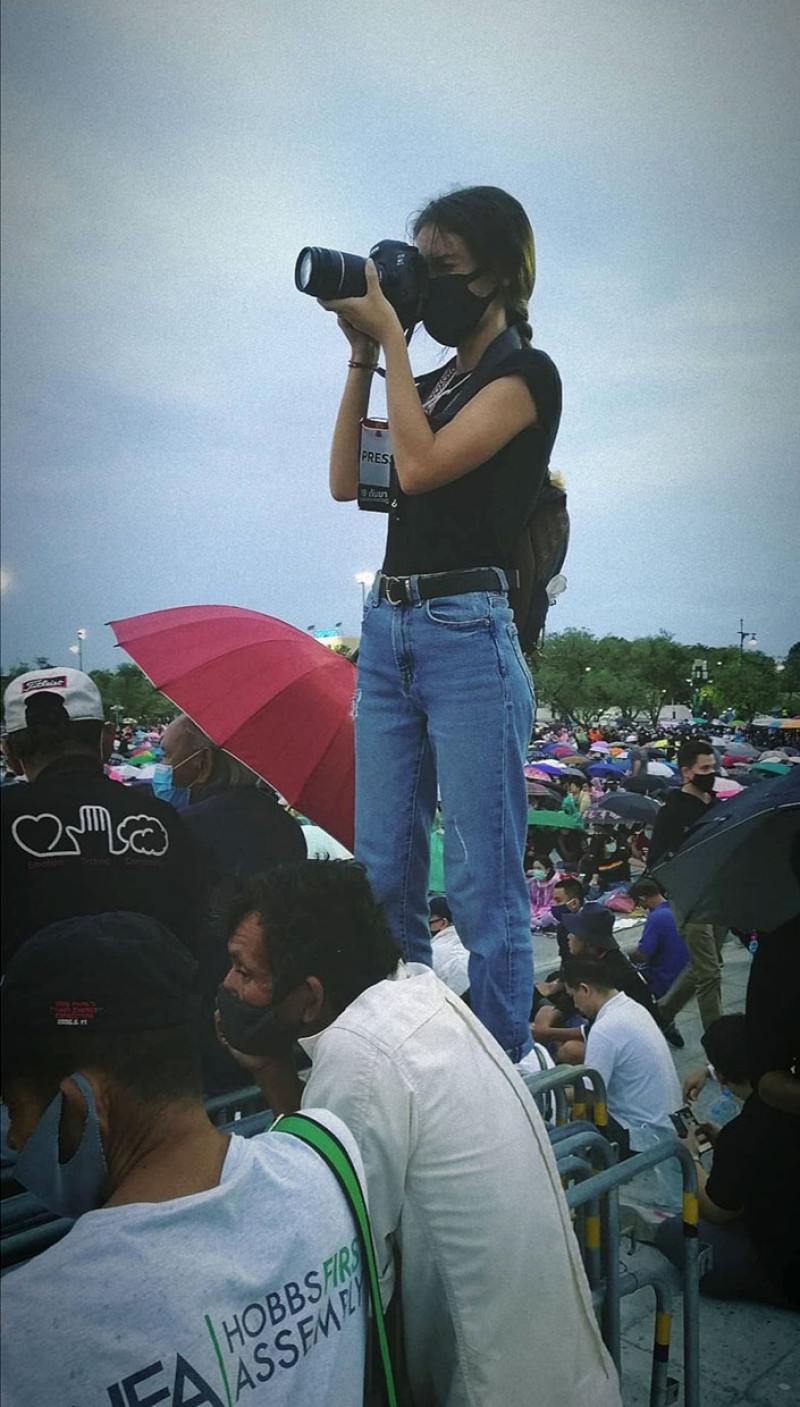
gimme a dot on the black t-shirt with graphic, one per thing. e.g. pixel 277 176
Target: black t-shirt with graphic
pixel 75 842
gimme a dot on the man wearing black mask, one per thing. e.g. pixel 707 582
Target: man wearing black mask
pixel 442 1119
pixel 682 810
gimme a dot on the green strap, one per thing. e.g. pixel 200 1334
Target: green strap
pixel 338 1159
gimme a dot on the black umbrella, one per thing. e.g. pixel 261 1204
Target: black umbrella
pixel 745 777
pixel 644 785
pixel 625 806
pixel 573 774
pixel 740 864
pixel 544 797
pixel 743 750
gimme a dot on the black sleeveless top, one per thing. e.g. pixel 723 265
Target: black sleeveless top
pixel 474 521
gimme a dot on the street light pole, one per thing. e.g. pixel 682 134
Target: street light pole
pixel 752 642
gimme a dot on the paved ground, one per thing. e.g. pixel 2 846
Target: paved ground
pixel 750 1354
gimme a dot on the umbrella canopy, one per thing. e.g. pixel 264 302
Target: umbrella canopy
pixel 546 799
pixel 741 750
pixel 574 759
pixel 660 769
pixel 727 786
pixel 645 785
pixel 535 773
pixel 604 769
pixel 747 778
pixel 711 878
pixel 269 694
pixel 548 769
pixel 776 769
pixel 556 820
pixel 624 806
pixel 600 747
pixel 573 774
pixel 789 723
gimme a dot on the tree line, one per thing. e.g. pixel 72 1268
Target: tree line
pixel 577 674
pixel 581 676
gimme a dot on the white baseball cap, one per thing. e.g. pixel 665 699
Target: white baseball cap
pixel 79 694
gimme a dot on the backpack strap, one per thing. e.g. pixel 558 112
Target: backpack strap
pixel 334 1153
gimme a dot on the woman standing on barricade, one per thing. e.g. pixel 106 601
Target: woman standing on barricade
pixel 444 692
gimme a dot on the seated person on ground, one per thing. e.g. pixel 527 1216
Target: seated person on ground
pixel 626 1047
pixel 661 952
pixel 450 957
pixel 748 1200
pixel 444 1123
pixel 552 1005
pixel 201 1264
pixel 607 863
pixel 590 931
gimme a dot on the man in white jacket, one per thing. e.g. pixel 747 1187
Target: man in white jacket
pixel 460 1174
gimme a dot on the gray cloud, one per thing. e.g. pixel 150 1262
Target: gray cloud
pixel 169 397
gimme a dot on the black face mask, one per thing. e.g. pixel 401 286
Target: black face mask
pixel 254 1030
pixel 450 311
pixel 704 782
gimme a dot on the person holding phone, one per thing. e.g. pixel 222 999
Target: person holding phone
pixel 444 695
pixel 748 1198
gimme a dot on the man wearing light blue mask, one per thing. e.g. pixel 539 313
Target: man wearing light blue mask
pixel 181 1227
pixel 239 829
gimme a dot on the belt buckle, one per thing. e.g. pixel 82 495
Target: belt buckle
pixel 399 582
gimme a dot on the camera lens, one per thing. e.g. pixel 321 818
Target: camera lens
pixel 328 273
pixel 305 270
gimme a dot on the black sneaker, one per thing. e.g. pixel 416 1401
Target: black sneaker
pixel 673 1035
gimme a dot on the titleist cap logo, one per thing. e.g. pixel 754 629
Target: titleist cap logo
pixel 46 681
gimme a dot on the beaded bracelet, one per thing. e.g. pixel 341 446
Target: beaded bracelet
pixel 363 366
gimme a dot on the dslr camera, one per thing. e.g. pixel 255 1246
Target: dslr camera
pixel 403 274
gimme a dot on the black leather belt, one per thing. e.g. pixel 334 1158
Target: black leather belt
pixel 397 589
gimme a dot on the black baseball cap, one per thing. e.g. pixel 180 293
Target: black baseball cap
pixel 102 974
pixel 594 923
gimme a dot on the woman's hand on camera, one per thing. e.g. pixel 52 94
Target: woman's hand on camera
pixel 371 316
pixel 364 349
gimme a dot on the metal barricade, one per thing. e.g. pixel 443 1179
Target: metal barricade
pixel 592 1193
pixel 230 1107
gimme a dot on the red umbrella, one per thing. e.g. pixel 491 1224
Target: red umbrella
pixel 264 691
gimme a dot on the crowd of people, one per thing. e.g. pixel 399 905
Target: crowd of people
pixel 162 943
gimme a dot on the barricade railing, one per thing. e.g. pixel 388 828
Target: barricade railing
pixel 592 1194
pixel 574 1077
pixel 225 1108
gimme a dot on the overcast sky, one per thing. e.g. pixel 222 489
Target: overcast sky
pixel 169 397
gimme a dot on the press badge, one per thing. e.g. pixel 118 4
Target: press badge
pixel 377 485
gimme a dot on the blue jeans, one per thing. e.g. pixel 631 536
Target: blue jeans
pixel 444 694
